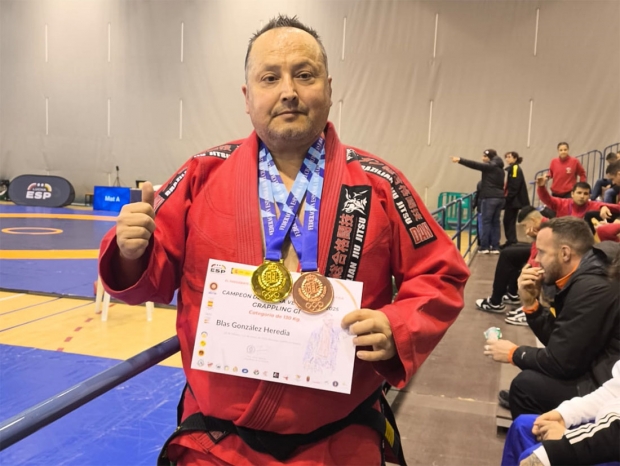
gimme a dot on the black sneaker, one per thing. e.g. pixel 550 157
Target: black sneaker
pixel 511 299
pixel 486 305
pixel 515 312
pixel 517 319
pixel 502 399
pixel 506 245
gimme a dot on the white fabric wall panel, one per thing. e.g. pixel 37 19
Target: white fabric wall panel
pixel 577 76
pixel 480 81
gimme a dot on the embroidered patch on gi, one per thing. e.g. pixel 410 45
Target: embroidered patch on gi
pixel 168 190
pixel 349 232
pixel 222 152
pixel 418 228
pixel 352 155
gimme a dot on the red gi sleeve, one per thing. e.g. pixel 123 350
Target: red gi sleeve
pixel 430 275
pixel 166 251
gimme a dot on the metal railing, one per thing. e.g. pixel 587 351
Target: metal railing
pixel 611 148
pixel 463 222
pixel 32 419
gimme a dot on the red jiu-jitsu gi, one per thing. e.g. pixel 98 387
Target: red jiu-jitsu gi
pixel 210 209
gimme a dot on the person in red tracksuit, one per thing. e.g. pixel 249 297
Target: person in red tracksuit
pixel 565 172
pixel 373 227
pixel 577 206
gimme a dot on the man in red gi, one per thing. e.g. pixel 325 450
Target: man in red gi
pixel 373 226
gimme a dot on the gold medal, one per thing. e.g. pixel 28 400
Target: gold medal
pixel 313 293
pixel 271 282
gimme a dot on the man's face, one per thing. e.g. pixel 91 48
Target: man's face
pixel 580 196
pixel 563 151
pixel 548 256
pixel 615 179
pixel 287 91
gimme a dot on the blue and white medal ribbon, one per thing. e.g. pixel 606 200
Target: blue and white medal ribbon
pixel 271 281
pixel 312 292
pixel 272 190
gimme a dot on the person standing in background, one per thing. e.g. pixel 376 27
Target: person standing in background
pixel 516 196
pixel 564 171
pixel 490 198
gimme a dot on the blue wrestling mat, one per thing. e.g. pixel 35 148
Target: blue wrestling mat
pixel 51 250
pixel 126 426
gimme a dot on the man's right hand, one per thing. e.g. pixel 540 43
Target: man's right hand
pixel 529 284
pixel 542 180
pixel 135 225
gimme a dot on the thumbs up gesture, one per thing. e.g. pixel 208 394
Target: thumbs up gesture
pixel 135 225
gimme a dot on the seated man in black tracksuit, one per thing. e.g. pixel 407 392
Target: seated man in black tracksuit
pixel 581 331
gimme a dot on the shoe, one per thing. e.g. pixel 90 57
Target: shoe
pixel 514 312
pixel 511 299
pixel 495 251
pixel 483 251
pixel 486 305
pixel 502 399
pixel 518 319
pixel 507 245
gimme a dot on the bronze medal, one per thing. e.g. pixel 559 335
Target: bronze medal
pixel 271 282
pixel 313 293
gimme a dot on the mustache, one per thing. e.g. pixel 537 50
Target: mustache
pixel 295 109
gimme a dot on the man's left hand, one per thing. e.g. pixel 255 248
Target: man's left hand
pixel 498 350
pixel 372 329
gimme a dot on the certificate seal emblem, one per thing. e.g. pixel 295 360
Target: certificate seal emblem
pixel 271 282
pixel 313 293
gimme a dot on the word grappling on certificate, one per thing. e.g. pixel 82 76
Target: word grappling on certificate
pixel 240 335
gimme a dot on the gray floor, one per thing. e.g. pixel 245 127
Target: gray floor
pixel 446 415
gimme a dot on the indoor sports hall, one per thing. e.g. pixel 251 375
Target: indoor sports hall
pixel 99 97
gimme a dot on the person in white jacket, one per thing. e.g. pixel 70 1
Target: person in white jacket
pixel 583 430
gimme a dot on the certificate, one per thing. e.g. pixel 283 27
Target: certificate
pixel 240 335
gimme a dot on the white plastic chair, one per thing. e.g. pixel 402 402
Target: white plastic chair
pixel 103 296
